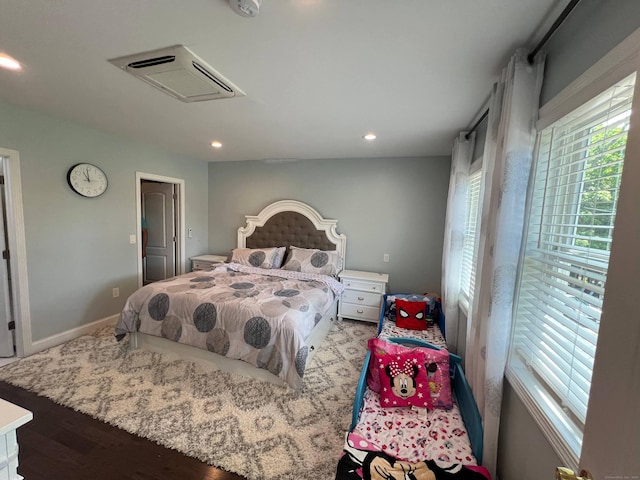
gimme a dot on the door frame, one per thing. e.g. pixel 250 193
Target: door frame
pixel 180 219
pixel 17 247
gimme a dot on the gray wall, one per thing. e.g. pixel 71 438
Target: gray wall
pixel 593 29
pixel 78 249
pixel 392 205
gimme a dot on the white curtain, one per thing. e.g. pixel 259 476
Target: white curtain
pixel 508 154
pixel 454 234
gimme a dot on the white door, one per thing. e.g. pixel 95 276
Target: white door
pixel 6 336
pixel 158 210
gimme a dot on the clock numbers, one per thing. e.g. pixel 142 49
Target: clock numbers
pixel 87 180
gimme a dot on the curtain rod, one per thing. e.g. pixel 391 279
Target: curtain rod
pixel 561 18
pixel 475 125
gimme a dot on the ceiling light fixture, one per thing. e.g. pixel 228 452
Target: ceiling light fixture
pixel 216 144
pixel 9 63
pixel 246 8
pixel 369 136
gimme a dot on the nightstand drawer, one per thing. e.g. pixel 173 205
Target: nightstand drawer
pixel 363 286
pixel 360 312
pixel 199 265
pixel 361 298
pixel 206 262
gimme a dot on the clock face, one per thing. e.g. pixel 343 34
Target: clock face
pixel 87 180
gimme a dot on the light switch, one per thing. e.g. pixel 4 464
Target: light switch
pixel 190 233
pixel 132 239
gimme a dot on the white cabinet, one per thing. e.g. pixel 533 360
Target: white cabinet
pixel 362 296
pixel 206 262
pixel 11 417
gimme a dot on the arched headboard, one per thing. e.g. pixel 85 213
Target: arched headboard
pixel 290 222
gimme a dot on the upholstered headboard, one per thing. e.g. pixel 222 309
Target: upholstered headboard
pixel 290 222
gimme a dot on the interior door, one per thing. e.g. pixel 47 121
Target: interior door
pixel 6 336
pixel 158 210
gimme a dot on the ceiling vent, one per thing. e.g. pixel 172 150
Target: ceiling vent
pixel 179 73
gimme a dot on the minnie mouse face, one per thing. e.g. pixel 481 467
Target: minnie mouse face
pixel 403 382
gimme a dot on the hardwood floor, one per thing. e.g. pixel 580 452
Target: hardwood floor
pixel 62 444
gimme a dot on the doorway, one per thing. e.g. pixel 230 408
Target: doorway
pixel 160 208
pixel 14 288
pixel 7 322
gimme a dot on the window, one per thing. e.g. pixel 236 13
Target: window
pixel 563 273
pixel 469 247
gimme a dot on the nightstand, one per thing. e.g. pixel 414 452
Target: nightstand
pixel 206 262
pixel 362 296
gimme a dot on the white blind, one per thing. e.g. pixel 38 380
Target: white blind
pixel 564 272
pixel 469 250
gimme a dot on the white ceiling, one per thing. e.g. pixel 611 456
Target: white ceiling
pixel 318 74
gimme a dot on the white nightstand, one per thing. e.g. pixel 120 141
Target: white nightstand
pixel 206 262
pixel 362 296
pixel 11 417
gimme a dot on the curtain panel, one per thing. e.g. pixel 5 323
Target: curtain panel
pixel 508 155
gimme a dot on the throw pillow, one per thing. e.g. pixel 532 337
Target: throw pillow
pixel 436 365
pixel 403 380
pixel 411 315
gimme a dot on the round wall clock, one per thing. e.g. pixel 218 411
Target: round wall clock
pixel 87 180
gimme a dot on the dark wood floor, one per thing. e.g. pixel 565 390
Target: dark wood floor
pixel 61 444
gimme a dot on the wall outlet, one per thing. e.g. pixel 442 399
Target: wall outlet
pixel 115 292
pixel 385 257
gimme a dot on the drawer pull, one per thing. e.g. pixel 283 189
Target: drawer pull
pixel 360 298
pixel 360 311
pixel 374 288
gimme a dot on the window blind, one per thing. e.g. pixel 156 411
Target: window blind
pixel 563 275
pixel 469 250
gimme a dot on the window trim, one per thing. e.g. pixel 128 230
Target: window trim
pixel 552 425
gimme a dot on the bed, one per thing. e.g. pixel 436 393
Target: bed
pixel 438 437
pixel 263 313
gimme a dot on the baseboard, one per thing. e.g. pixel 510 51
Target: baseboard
pixel 63 337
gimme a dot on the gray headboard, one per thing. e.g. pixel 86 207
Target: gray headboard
pixel 290 222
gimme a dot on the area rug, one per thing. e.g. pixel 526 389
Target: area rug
pixel 258 430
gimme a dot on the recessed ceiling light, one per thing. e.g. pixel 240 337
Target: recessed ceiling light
pixel 216 144
pixel 9 63
pixel 369 136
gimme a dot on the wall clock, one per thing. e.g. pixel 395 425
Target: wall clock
pixel 87 180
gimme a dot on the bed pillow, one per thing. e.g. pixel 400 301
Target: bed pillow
pixel 313 260
pixel 279 257
pixel 403 380
pixel 258 257
pixel 437 365
pixel 411 315
pixel 436 368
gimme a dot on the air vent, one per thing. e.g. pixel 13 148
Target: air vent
pixel 150 62
pixel 180 73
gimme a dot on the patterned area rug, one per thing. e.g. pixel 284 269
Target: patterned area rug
pixel 252 428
